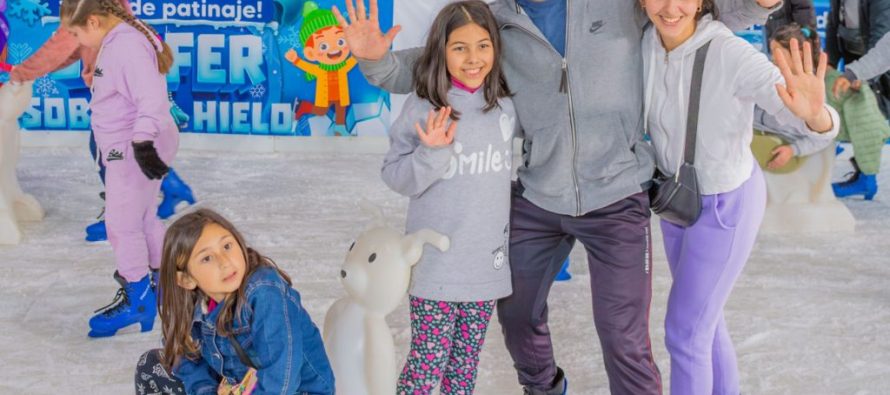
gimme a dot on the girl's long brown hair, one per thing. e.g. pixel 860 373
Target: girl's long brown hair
pixel 431 79
pixel 76 12
pixel 176 305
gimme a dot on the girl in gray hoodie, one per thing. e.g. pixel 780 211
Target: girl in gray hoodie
pixel 450 152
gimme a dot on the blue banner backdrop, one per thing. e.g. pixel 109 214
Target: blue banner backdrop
pixel 230 73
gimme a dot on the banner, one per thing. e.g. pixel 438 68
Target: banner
pixel 230 72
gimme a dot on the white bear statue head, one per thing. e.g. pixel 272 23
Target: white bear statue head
pixel 377 270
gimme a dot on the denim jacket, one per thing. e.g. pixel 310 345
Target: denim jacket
pixel 276 333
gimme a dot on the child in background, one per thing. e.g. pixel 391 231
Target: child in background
pixel 230 317
pixel 60 51
pixel 862 122
pixel 797 144
pixel 456 170
pixel 137 137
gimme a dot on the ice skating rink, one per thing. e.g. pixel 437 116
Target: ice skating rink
pixel 810 314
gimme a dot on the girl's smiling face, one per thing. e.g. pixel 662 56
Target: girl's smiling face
pixel 217 264
pixel 469 54
pixel 674 19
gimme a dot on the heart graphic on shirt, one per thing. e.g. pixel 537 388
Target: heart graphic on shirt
pixel 508 124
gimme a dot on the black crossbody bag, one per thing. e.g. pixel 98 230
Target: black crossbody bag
pixel 677 198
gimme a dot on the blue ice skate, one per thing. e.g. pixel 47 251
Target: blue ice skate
pixel 861 184
pixel 175 191
pixel 96 232
pixel 179 116
pixel 134 303
pixel 564 274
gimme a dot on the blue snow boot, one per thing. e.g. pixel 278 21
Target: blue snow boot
pixel 564 274
pixel 861 184
pixel 560 386
pixel 134 303
pixel 175 191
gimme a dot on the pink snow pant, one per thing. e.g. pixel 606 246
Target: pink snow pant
pixel 131 203
pixel 705 260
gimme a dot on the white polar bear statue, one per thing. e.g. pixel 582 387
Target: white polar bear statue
pixel 376 275
pixel 803 201
pixel 15 205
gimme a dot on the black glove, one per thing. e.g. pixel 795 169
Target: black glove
pixel 149 162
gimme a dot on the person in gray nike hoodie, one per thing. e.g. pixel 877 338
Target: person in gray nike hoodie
pixel 585 168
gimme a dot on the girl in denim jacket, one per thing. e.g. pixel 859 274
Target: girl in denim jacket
pixel 229 317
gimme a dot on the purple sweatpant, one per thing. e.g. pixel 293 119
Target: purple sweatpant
pixel 131 203
pixel 705 260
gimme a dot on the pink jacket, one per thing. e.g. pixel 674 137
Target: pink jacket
pixel 60 51
pixel 129 100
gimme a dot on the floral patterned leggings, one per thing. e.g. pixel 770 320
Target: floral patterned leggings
pixel 446 339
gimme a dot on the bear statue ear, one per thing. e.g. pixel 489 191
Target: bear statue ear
pixel 412 244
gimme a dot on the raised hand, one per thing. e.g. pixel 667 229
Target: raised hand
pixel 804 90
pixel 439 129
pixel 291 56
pixel 362 31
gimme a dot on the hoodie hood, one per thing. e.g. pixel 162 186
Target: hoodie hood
pixel 682 56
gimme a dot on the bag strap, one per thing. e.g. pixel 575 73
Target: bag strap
pixel 694 101
pixel 241 354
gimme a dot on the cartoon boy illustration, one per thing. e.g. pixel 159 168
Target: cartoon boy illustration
pixel 325 45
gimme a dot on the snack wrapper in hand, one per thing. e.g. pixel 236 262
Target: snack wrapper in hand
pixel 245 387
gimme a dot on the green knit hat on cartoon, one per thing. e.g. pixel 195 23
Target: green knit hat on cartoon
pixel 315 19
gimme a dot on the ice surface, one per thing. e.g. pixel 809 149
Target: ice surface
pixel 810 314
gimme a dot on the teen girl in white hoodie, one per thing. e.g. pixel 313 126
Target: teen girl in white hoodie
pixel 707 257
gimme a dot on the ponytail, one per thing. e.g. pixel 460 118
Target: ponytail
pixel 76 12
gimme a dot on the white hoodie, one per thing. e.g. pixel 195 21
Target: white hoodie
pixel 736 77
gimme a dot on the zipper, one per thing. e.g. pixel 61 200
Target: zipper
pixel 563 88
pixel 565 73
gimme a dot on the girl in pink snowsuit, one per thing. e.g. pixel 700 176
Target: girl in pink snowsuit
pixel 138 138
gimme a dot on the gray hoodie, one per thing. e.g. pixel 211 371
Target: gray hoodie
pixel 582 114
pixel 461 191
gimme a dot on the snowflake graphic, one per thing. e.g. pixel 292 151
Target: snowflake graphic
pixel 290 39
pixel 18 52
pixel 257 91
pixel 45 86
pixel 29 11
